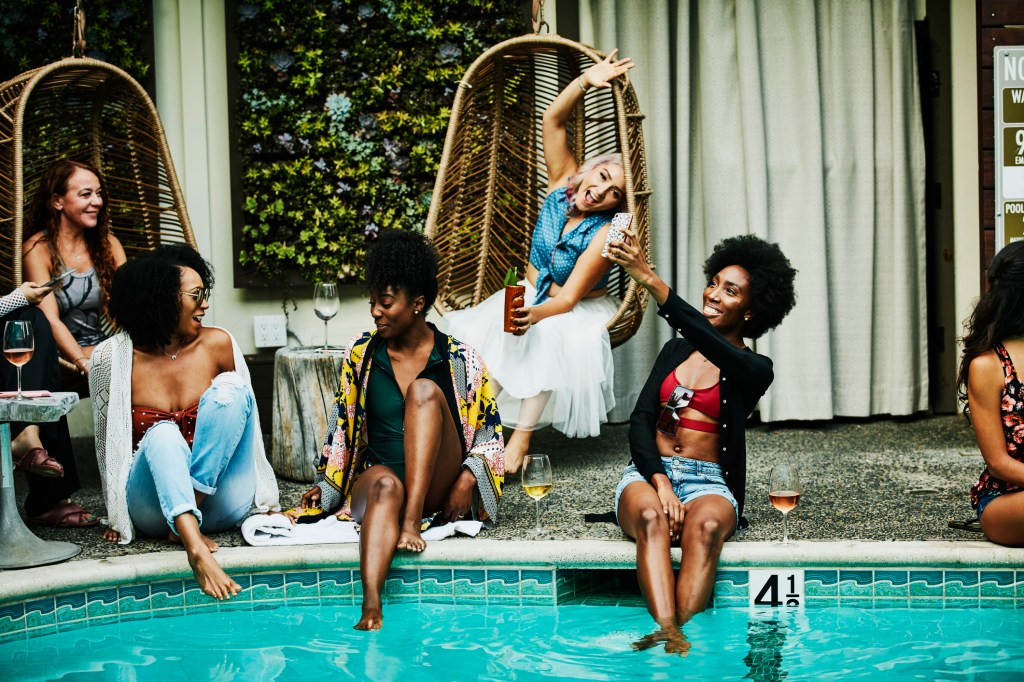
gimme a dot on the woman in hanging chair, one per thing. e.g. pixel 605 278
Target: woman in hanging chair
pixel 556 368
pixel 68 228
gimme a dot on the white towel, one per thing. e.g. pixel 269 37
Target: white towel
pixel 470 528
pixel 277 529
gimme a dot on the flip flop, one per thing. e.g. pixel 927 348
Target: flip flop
pixel 68 515
pixel 972 525
pixel 38 461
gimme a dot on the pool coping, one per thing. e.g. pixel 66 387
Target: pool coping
pixel 23 584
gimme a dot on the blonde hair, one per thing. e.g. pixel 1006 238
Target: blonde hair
pixel 584 170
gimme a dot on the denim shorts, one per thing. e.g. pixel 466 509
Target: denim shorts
pixel 984 498
pixel 690 478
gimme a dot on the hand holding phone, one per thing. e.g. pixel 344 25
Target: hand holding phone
pixel 63 275
pixel 617 230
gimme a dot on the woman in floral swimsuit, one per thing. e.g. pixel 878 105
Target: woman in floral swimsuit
pixel 994 396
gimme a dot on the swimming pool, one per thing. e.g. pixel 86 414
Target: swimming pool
pixel 427 641
pixel 102 614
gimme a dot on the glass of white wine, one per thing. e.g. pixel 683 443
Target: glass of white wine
pixel 537 481
pixel 19 345
pixel 325 303
pixel 784 492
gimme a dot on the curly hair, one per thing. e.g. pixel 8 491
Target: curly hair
pixel 43 216
pixel 145 298
pixel 577 179
pixel 772 294
pixel 998 314
pixel 405 261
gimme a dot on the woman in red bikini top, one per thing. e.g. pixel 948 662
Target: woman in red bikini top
pixel 989 383
pixel 685 481
pixel 196 463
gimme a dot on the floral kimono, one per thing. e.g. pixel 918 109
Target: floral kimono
pixel 342 457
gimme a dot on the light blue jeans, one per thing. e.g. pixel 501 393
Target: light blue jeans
pixel 166 473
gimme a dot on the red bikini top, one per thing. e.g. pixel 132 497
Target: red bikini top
pixel 145 417
pixel 705 400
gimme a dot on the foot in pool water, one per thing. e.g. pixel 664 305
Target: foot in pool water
pixel 372 619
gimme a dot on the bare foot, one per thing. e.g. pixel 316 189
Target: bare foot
pixel 673 638
pixel 211 577
pixel 410 538
pixel 372 618
pixel 175 539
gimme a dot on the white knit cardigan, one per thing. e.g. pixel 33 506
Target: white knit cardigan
pixel 110 382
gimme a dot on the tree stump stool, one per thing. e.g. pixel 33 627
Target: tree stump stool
pixel 305 381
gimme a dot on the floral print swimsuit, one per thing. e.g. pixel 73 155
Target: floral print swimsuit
pixel 1011 411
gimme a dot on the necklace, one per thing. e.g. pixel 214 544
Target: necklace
pixel 175 356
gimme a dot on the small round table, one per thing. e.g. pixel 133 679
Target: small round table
pixel 19 547
pixel 305 381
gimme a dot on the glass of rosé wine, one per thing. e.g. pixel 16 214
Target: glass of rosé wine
pixel 784 492
pixel 19 345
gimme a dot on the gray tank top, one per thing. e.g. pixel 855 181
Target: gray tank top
pixel 78 300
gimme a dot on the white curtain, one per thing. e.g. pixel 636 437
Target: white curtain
pixel 797 121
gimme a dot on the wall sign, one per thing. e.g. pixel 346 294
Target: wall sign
pixel 1008 65
pixel 775 589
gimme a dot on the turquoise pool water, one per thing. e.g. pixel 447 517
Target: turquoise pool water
pixel 424 641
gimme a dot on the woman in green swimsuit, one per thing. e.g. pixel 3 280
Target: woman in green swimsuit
pixel 418 437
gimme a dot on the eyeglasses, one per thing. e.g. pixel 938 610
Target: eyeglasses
pixel 668 420
pixel 201 295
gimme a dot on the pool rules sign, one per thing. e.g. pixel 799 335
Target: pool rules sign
pixel 1009 144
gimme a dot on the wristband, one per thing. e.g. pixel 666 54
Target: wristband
pixel 579 82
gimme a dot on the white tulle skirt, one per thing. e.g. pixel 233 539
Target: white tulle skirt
pixel 567 356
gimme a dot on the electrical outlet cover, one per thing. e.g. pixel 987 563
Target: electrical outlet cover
pixel 270 331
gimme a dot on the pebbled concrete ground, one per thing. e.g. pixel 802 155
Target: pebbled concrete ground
pixel 877 479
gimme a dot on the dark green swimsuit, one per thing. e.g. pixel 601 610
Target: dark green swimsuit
pixel 385 408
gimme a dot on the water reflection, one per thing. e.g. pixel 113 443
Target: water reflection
pixel 764 659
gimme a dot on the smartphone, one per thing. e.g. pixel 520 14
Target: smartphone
pixel 63 275
pixel 617 231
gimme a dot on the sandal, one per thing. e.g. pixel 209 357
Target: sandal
pixel 68 515
pixel 38 461
pixel 972 525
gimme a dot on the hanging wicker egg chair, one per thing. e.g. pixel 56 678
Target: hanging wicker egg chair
pixel 491 182
pixel 87 110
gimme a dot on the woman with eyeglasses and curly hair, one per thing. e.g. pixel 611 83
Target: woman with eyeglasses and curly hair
pixel 685 482
pixel 993 396
pixel 178 439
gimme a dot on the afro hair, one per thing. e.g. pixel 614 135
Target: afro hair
pixel 771 279
pixel 404 261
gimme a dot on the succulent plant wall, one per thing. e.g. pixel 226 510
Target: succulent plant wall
pixel 34 33
pixel 342 115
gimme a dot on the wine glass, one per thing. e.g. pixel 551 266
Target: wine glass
pixel 784 492
pixel 325 303
pixel 537 481
pixel 19 345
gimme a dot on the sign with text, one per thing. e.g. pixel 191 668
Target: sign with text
pixel 1009 144
pixel 774 589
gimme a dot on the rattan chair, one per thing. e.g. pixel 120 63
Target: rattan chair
pixel 491 182
pixel 92 111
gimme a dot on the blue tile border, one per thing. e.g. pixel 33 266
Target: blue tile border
pixel 498 585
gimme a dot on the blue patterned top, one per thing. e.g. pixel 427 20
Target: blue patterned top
pixel 555 256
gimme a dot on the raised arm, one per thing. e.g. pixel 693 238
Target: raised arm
pixel 558 157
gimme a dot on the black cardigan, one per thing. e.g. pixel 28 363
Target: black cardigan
pixel 745 376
